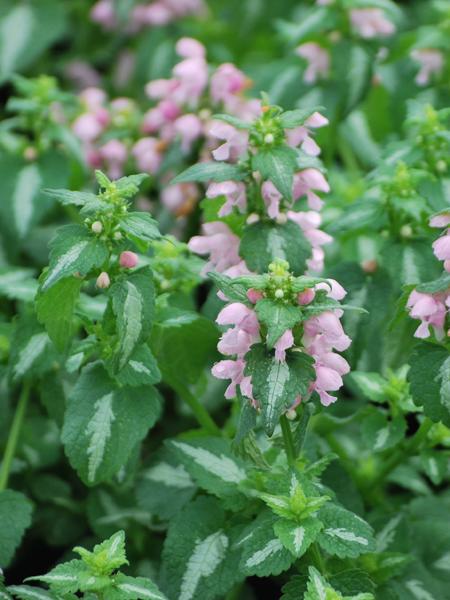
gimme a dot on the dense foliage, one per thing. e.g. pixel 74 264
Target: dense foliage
pixel 224 298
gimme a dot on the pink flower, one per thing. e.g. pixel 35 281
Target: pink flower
pixel 103 281
pixel 154 14
pixel 254 295
pixel 160 88
pixel 230 369
pixel 235 141
pixel 283 343
pixel 239 315
pixel 226 82
pixel 441 247
pixel 234 193
pixel 441 220
pixel 114 153
pixel 371 22
pixel 147 156
pixel 328 326
pixel 272 199
pixel 305 182
pixel 192 77
pixel 309 222
pixel 300 136
pixel 103 12
pixel 306 297
pixel 334 289
pixel 190 48
pixel 318 60
pixel 128 259
pixel 189 128
pixel 235 341
pixel 179 197
pixel 430 310
pixel 220 243
pixel 87 127
pixel 431 61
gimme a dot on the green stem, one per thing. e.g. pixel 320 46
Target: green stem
pixel 200 412
pixel 289 446
pixel 409 448
pixel 318 559
pixel 13 437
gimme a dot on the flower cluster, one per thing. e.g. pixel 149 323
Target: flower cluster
pixel 260 198
pixel 431 308
pixel 145 14
pixel 118 137
pixel 313 331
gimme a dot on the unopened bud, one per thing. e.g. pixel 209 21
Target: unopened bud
pixel 97 227
pixel 269 138
pixel 282 219
pixel 252 218
pixel 369 266
pixel 279 293
pixel 291 414
pixel 441 166
pixel 306 297
pixel 103 280
pixel 117 235
pixel 30 153
pixel 447 265
pixel 128 259
pixel 406 231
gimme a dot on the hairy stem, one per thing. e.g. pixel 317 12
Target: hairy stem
pixel 200 412
pixel 13 437
pixel 289 446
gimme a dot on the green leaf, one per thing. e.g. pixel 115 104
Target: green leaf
pixel 27 592
pixel 345 534
pixel 64 578
pixel 73 250
pixel 133 299
pixel 199 558
pixel 55 309
pixel 105 557
pixel 18 284
pixel 141 369
pixel 31 352
pixel 233 290
pixel 277 165
pixel 211 464
pixel 263 242
pixel 67 197
pixel 277 317
pixel 183 342
pixel 317 587
pixel 103 423
pixel 442 284
pixel 311 22
pixel 358 75
pixel 379 433
pixel 435 465
pixel 263 554
pixel 412 262
pixel 234 121
pixel 352 581
pixel 134 588
pixel 140 225
pixel 297 537
pixel 428 377
pixel 22 37
pixel 165 486
pixel 295 118
pixel 276 384
pixel 210 171
pixel 371 385
pixel 15 518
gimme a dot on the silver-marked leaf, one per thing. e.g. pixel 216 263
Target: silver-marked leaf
pixel 210 171
pixel 294 118
pixel 30 354
pixel 297 537
pixel 263 554
pixel 73 250
pixel 15 518
pixel 133 304
pixel 317 587
pixel 134 588
pixel 67 197
pixel 28 592
pixel 263 242
pixel 165 486
pixel 141 369
pixel 140 225
pixel 199 558
pixel 372 385
pixel 212 464
pixel 276 384
pixel 380 433
pixel 64 578
pixel 277 317
pixel 104 422
pixel 18 284
pixel 344 534
pixel 435 464
pixel 277 165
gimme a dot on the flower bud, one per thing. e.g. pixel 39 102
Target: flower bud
pixel 117 235
pixel 447 265
pixel 128 259
pixel 103 280
pixel 279 293
pixel 281 219
pixel 269 138
pixel 30 153
pixel 306 296
pixel 97 227
pixel 406 231
pixel 369 266
pixel 252 218
pixel 291 414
